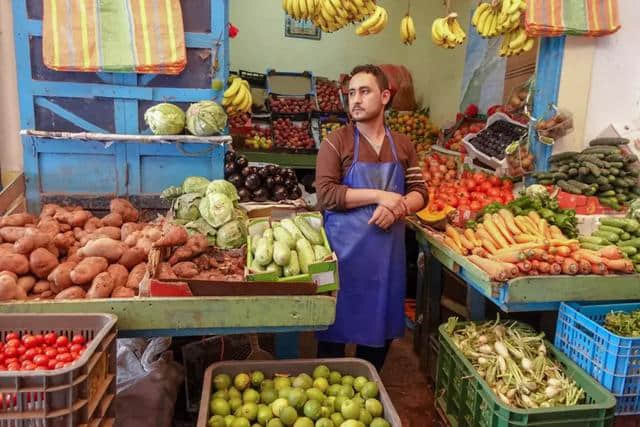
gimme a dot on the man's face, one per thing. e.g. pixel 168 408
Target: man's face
pixel 366 100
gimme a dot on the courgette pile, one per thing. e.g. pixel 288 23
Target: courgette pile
pixel 604 170
pixel 622 232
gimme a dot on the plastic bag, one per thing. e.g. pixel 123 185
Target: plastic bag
pixel 520 159
pixel 558 126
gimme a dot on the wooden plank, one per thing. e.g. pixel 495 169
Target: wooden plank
pixel 146 314
pixel 572 288
pixel 13 185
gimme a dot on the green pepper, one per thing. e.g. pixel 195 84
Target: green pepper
pixel 546 213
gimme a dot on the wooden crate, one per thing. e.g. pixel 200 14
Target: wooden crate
pixel 12 198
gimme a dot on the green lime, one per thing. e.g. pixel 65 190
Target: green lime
pixel 359 400
pixel 285 392
pixel 324 422
pixel 256 378
pixel 359 382
pixel 303 381
pixel 216 421
pixel 235 403
pixel 288 415
pixel 334 389
pixel 335 377
pixel 326 411
pixel 238 412
pixel 350 410
pixel 338 402
pixel 347 380
pixel 374 407
pixel 281 382
pixel 233 392
pixel 256 425
pixel 250 395
pixel 352 423
pixel 228 420
pixel 321 371
pixel 337 419
pixel 315 394
pixel 379 422
pixel 303 422
pixel 241 381
pixel 311 409
pixel 330 402
pixel 347 390
pixel 220 394
pixel 321 384
pixel 275 423
pixel 266 384
pixel 278 405
pixel 217 84
pixel 220 407
pixel 369 390
pixel 240 422
pixel 264 415
pixel 269 395
pixel 249 411
pixel 222 381
pixel 297 398
pixel 365 417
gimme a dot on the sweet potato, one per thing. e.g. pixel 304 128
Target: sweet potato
pixel 113 220
pixel 17 220
pixel 123 292
pixel 53 249
pixel 87 269
pixel 49 226
pixel 17 263
pixel 93 224
pixel 74 292
pixel 125 209
pixel 119 274
pixel 63 241
pixel 79 233
pixel 27 283
pixel 48 210
pixel 132 238
pixel 185 269
pixel 196 244
pixel 9 289
pixel 136 276
pixel 128 228
pixel 152 233
pixel 41 286
pixel 112 232
pixel 42 262
pixel 104 247
pixel 60 277
pixel 172 235
pixel 165 271
pixel 144 244
pixel 12 234
pixel 73 255
pixel 32 239
pixel 7 248
pixel 65 227
pixel 76 218
pixel 101 286
pixel 132 257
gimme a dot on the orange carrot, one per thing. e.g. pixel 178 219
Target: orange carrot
pixel 468 233
pixel 622 265
pixel 533 272
pixel 562 242
pixel 493 231
pixel 590 256
pixel 502 227
pixel 524 266
pixel 535 218
pixel 535 264
pixel 453 233
pixel 569 266
pixel 598 268
pixel 559 259
pixel 556 233
pixel 584 266
pixel 574 246
pixel 507 217
pixel 610 252
pixel 555 269
pixel 465 242
pixel 544 267
pixel 525 238
pixel 487 242
pixel 509 268
pixel 480 252
pixel 452 245
pixel 492 268
pixel 563 250
pixel 538 254
pixel 509 256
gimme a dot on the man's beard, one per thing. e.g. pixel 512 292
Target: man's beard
pixel 366 117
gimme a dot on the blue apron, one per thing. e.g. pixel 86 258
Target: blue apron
pixel 371 261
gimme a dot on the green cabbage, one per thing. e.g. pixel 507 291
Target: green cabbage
pixel 165 119
pixel 201 226
pixel 195 184
pixel 231 235
pixel 536 190
pixel 223 187
pixel 634 210
pixel 206 118
pixel 186 207
pixel 217 209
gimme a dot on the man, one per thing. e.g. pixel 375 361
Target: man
pixel 367 180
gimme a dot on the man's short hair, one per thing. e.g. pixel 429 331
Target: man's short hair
pixel 381 78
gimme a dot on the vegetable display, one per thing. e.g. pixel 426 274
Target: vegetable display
pixel 617 234
pixel 40 352
pixel 513 361
pixel 605 169
pixel 622 323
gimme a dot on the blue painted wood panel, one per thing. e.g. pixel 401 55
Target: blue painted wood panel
pixel 106 102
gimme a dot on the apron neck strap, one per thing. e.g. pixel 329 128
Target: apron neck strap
pixel 356 143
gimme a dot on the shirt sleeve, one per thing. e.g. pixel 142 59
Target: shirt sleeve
pixel 331 193
pixel 413 175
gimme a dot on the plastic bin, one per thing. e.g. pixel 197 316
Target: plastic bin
pixel 466 399
pixel 258 80
pixel 611 359
pixel 354 366
pixel 290 83
pixel 80 394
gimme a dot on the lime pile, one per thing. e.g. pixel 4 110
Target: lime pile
pixel 328 399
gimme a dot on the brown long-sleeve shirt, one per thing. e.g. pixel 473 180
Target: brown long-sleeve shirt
pixel 336 156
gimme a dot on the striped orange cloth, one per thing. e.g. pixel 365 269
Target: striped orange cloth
pixel 591 18
pixel 142 36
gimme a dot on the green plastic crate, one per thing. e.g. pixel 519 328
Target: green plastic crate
pixel 465 399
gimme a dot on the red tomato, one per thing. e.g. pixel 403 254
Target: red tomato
pixel 13 342
pixel 10 360
pixel 494 180
pixel 78 339
pixel 476 195
pixel 462 194
pixel 51 352
pixel 463 207
pixel 52 363
pixel 75 348
pixel 30 354
pixel 74 355
pixel 50 338
pixel 29 341
pixel 41 360
pixel 11 351
pixel 2 367
pixel 438 205
pixel 39 339
pixel 507 184
pixel 12 336
pixel 21 350
pixel 63 349
pixel 475 206
pixel 485 187
pixel 478 177
pixel 469 184
pixel 64 357
pixel 494 192
pixel 62 341
pixel 452 201
pixel 59 365
pixel 464 201
pixel 13 367
pixel 29 367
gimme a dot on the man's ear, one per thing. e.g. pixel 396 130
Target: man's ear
pixel 386 96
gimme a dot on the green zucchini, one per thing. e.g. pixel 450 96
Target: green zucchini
pixel 618 223
pixel 608 142
pixel 611 202
pixel 578 184
pixel 611 179
pixel 607 193
pixel 615 157
pixel 593 189
pixel 602 180
pixel 633 242
pixel 614 171
pixel 565 186
pixel 622 197
pixel 610 229
pixel 572 172
pixel 612 237
pixel 632 158
pixel 560 176
pixel 628 250
pixel 293 268
pixel 625 236
pixel 591 246
pixel 595 170
pixel 563 156
pixel 583 171
pixel 601 149
pixel 564 168
pixel 636 257
pixel 310 233
pixel 595 240
pixel 305 254
pixel 619 182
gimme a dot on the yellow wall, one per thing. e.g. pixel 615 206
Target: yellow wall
pixel 10 147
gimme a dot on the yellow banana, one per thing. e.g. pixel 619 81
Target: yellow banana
pixel 411 28
pixel 359 3
pixel 329 9
pixel 240 98
pixel 458 31
pixel 506 5
pixel 513 7
pixel 478 12
pixel 302 5
pixel 518 40
pixel 494 24
pixel 338 7
pixel 523 6
pixel 363 28
pixel 233 89
pixel 528 45
pixel 482 21
pixel 515 17
pixel 381 24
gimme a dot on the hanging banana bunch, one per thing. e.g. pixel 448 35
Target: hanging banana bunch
pixel 509 18
pixel 374 23
pixel 300 9
pixel 237 98
pixel 407 30
pixel 516 42
pixel 485 19
pixel 446 32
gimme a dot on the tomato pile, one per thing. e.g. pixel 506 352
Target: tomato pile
pixel 473 192
pixel 438 168
pixel 39 352
pixel 455 143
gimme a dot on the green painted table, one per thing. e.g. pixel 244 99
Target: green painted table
pixel 192 316
pixel 284 159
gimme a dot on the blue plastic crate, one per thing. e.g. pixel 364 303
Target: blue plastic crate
pixel 611 359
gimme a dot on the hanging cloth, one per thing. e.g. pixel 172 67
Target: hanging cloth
pixel 126 36
pixel 552 18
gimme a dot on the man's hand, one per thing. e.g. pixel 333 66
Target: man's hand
pixel 393 202
pixel 382 217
